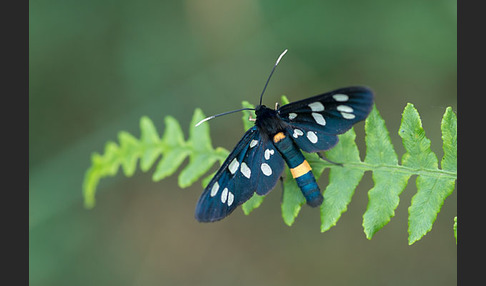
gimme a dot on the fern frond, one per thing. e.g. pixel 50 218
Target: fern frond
pixel 390 177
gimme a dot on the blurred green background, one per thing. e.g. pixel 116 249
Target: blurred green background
pixel 97 66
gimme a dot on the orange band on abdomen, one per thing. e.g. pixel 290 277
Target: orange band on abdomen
pixel 300 170
pixel 279 136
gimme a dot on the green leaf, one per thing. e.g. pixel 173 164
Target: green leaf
pixel 173 137
pixel 199 136
pixel 284 100
pixel 254 202
pixel 128 152
pixel 198 166
pixel 151 149
pixel 449 139
pixel 379 149
pixel 383 198
pixel 455 228
pixel 342 180
pixel 170 162
pixel 90 182
pixel 426 204
pixel 419 155
pixel 432 190
pixel 247 124
pixel 202 158
pixel 110 161
pixel 102 166
pixel 173 148
pixel 292 199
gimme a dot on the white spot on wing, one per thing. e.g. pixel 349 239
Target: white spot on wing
pixel 233 167
pixel 346 111
pixel 316 106
pixel 319 118
pixel 214 189
pixel 253 143
pixel 312 137
pixel 245 170
pixel 340 97
pixel 345 108
pixel 231 198
pixel 268 153
pixel 292 115
pixel 224 195
pixel 267 171
pixel 297 133
pixel 348 115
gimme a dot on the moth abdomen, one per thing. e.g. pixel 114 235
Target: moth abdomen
pixel 308 185
pixel 300 169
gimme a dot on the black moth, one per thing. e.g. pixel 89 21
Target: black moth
pixel 257 161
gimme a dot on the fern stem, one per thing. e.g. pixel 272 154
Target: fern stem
pixel 399 168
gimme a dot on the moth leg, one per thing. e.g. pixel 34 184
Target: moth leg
pixel 325 159
pixel 282 186
pixel 276 105
pixel 251 119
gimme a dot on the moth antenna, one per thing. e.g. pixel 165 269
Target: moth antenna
pixel 204 120
pixel 221 114
pixel 273 69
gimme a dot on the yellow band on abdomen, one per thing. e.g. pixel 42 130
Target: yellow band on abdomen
pixel 301 169
pixel 279 136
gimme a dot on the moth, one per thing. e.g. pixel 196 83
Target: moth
pixel 278 137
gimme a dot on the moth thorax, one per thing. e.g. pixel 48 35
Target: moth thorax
pixel 268 121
